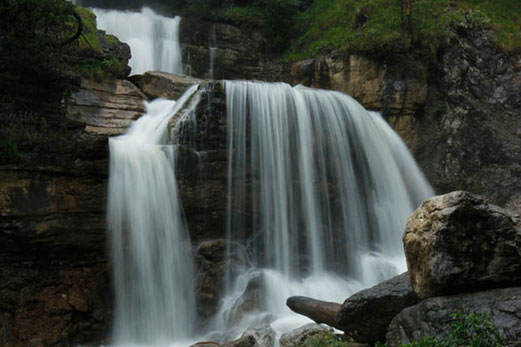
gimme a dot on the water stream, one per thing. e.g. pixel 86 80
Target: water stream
pixel 153 39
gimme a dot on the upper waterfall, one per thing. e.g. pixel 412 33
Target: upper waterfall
pixel 153 39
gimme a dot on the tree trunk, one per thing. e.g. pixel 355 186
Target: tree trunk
pixel 319 311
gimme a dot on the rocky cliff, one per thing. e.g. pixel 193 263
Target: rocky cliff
pixel 460 119
pixel 458 115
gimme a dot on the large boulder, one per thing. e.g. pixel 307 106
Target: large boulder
pixel 432 316
pixel 458 243
pixel 366 315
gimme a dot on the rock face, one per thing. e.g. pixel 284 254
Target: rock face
pixel 457 242
pixel 470 130
pixel 366 315
pixel 431 317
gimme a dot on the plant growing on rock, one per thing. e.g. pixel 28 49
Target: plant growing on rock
pixel 466 330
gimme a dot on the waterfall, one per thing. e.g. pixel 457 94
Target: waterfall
pixel 151 252
pixel 319 191
pixel 153 39
pixel 330 186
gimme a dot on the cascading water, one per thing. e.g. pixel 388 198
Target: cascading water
pixel 330 187
pixel 153 39
pixel 151 252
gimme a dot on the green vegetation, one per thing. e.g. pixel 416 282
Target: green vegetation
pixel 89 38
pixel 466 330
pixel 324 340
pixel 378 26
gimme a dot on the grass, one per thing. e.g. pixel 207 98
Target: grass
pixel 337 25
pixel 90 38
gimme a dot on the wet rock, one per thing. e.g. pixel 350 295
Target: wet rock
pixel 209 259
pixel 431 317
pixel 245 341
pixel 264 335
pixel 458 242
pixel 319 311
pixel 298 336
pixel 249 301
pixel 366 315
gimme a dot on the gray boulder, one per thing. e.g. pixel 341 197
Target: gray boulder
pixel 432 316
pixel 457 243
pixel 298 336
pixel 366 315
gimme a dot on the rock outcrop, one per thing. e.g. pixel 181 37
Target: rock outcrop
pixel 366 315
pixel 457 243
pixel 432 316
pixel 54 276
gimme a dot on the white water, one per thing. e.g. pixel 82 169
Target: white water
pixel 153 39
pixel 331 188
pixel 151 252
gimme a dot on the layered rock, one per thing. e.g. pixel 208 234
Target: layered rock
pixel 432 316
pixel 54 277
pixel 458 242
pixel 366 315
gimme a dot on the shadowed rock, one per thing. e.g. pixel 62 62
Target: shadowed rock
pixel 366 315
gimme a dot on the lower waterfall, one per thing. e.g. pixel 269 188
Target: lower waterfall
pixel 151 252
pixel 319 191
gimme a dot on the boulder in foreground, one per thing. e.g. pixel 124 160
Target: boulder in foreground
pixel 458 243
pixel 366 315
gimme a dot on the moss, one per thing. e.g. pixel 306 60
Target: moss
pixel 375 26
pixel 89 38
pixel 8 150
pixel 99 70
pixel 324 340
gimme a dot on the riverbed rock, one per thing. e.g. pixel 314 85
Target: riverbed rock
pixel 263 334
pixel 431 317
pixel 298 336
pixel 366 315
pixel 458 242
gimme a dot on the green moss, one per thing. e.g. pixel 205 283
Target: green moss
pixel 375 26
pixel 250 15
pixel 8 150
pixel 469 330
pixel 324 340
pixel 100 69
pixel 89 38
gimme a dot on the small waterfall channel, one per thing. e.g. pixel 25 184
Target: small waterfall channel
pixel 153 39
